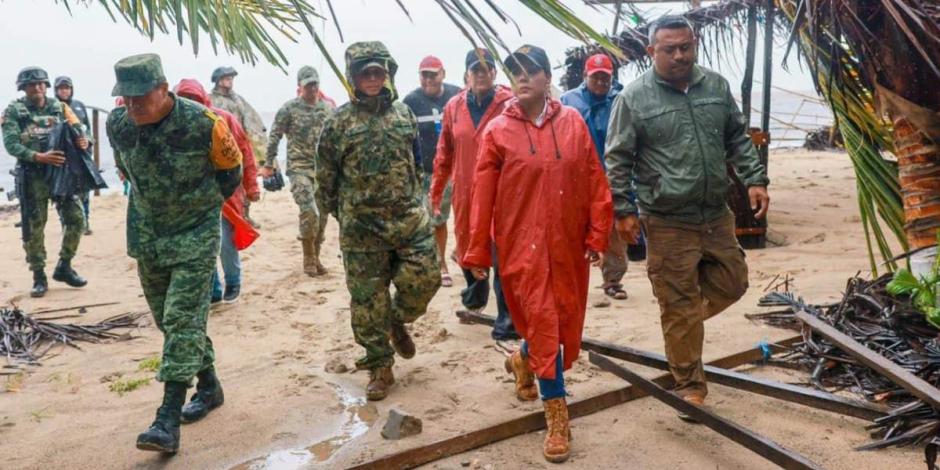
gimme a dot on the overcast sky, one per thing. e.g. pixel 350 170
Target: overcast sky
pixel 86 44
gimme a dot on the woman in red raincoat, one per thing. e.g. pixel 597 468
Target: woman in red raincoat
pixel 540 190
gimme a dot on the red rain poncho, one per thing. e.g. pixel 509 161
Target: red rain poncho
pixel 234 208
pixel 543 192
pixel 456 158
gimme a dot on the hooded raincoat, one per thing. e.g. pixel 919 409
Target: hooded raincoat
pixel 544 193
pixel 456 158
pixel 234 208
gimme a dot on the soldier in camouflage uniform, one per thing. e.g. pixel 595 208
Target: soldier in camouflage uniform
pixel 369 180
pixel 27 123
pixel 182 163
pixel 301 120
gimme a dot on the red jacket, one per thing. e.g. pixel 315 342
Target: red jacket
pixel 192 89
pixel 543 192
pixel 456 158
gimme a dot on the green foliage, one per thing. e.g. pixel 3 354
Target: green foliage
pixel 150 364
pixel 923 291
pixel 123 386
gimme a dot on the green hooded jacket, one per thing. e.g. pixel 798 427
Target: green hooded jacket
pixel 366 163
pixel 675 146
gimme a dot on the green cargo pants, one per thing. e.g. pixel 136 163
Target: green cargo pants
pixel 71 216
pixel 178 296
pixel 414 270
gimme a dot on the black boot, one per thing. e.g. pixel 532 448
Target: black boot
pixel 64 273
pixel 231 294
pixel 164 434
pixel 40 284
pixel 208 397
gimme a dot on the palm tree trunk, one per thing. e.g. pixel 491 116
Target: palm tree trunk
pixel 919 172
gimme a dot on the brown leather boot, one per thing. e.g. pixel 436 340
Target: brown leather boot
pixel 401 340
pixel 555 449
pixel 525 378
pixel 380 380
pixel 310 258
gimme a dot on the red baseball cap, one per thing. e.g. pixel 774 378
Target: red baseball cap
pixel 431 64
pixel 598 63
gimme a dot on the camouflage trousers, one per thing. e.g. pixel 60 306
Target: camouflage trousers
pixel 313 216
pixel 415 272
pixel 71 216
pixel 178 296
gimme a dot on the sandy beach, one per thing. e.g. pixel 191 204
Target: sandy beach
pixel 286 354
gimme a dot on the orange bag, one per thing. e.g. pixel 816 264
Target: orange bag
pixel 243 234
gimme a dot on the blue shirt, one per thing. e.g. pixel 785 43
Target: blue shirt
pixel 477 110
pixel 595 110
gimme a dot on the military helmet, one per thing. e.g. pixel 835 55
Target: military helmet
pixel 223 72
pixel 31 75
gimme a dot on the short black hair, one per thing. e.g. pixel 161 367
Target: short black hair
pixel 668 22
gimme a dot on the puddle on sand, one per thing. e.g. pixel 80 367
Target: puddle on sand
pixel 360 416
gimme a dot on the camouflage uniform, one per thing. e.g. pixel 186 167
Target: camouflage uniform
pixel 366 169
pixel 26 131
pixel 180 172
pixel 302 123
pixel 247 117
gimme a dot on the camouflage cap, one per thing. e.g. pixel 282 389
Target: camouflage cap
pixel 137 75
pixel 365 54
pixel 307 75
pixel 222 72
pixel 31 75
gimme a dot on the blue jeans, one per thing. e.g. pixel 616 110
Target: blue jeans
pixel 549 388
pixel 477 294
pixel 231 264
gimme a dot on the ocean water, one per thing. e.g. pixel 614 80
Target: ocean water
pixel 792 114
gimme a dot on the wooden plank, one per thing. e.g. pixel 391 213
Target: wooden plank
pixel 792 393
pixel 757 443
pixel 533 421
pixel 900 376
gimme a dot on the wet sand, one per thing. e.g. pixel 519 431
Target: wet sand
pixel 285 355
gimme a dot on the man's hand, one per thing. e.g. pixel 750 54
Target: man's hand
pixel 760 201
pixel 596 259
pixel 628 228
pixel 52 157
pixel 82 142
pixel 479 273
pixel 255 196
pixel 267 171
pixel 435 209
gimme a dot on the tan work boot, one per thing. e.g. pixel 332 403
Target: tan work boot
pixel 696 399
pixel 555 449
pixel 321 270
pixel 380 380
pixel 401 340
pixel 525 378
pixel 310 257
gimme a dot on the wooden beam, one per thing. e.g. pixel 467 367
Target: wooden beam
pixel 532 422
pixel 760 445
pixel 792 393
pixel 747 84
pixel 900 376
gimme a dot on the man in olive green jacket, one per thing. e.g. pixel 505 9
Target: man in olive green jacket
pixel 673 131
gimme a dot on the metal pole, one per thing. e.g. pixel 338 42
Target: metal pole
pixel 768 72
pixel 95 148
pixel 747 85
pixel 617 18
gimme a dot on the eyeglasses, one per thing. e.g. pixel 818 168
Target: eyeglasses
pixel 373 73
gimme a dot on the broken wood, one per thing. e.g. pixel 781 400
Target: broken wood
pixel 77 307
pixel 792 393
pixel 532 422
pixel 900 376
pixel 757 443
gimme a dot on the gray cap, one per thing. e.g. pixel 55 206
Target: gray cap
pixel 307 75
pixel 137 75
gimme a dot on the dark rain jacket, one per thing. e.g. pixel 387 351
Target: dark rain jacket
pixel 676 145
pixel 79 174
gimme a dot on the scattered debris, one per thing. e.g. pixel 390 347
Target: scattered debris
pixel 401 424
pixel 123 386
pixel 889 326
pixel 336 366
pixel 26 339
pixel 150 364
